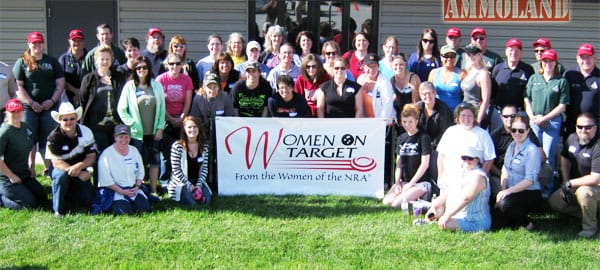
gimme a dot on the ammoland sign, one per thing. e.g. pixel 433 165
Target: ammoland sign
pixel 506 10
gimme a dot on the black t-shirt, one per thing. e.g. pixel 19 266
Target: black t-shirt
pixel 99 108
pixel 297 107
pixel 508 85
pixel 251 102
pixel 584 95
pixel 194 164
pixel 340 106
pixel 584 159
pixel 410 149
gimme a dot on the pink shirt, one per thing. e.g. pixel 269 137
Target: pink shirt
pixel 175 91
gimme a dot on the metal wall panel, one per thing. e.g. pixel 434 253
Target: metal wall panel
pixel 195 20
pixel 406 20
pixel 17 20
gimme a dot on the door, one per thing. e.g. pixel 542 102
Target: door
pixel 65 15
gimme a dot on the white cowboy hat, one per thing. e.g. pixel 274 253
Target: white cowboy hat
pixel 64 109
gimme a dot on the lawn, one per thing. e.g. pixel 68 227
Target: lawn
pixel 280 232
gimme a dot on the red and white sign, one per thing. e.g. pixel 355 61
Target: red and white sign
pixel 300 156
pixel 506 10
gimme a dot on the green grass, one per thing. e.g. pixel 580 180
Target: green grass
pixel 288 232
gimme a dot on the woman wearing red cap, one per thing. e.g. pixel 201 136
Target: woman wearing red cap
pixel 41 82
pixel 18 189
pixel 539 47
pixel 546 98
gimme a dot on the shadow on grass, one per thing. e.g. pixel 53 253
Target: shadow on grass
pixel 285 207
pixel 32 267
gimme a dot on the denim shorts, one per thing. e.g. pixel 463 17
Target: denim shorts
pixel 149 149
pixel 483 224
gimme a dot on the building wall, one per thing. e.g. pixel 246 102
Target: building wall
pixel 407 19
pixel 17 20
pixel 195 20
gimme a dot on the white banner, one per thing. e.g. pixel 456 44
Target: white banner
pixel 300 156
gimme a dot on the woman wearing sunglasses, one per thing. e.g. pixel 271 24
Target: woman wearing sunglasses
pixel 311 77
pixel 329 52
pixel 338 96
pixel 447 78
pixel 142 107
pixel 178 46
pixel 427 56
pixel 465 205
pixel 520 188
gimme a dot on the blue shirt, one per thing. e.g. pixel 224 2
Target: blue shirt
pixel 525 164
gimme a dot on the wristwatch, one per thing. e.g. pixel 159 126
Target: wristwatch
pixel 568 185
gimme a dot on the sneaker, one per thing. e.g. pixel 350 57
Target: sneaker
pixel 422 221
pixel 153 197
pixel 587 233
pixel 58 215
pixel 163 183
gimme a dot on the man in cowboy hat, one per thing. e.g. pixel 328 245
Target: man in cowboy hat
pixel 72 150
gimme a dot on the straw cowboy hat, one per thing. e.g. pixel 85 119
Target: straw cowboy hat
pixel 64 109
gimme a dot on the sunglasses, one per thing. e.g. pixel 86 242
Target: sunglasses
pixel 311 66
pixel 467 158
pixel 330 53
pixel 179 46
pixel 141 68
pixel 428 40
pixel 519 130
pixel 339 68
pixel 588 127
pixel 68 119
pixel 174 63
pixel 539 51
pixel 478 38
pixel 449 55
pixel 509 116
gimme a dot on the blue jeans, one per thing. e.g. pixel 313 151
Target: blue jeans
pixel 140 204
pixel 66 187
pixel 149 149
pixel 187 199
pixel 28 194
pixel 549 136
pixel 483 224
pixel 41 125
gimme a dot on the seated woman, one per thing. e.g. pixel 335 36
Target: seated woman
pixel 465 205
pixel 285 102
pixel 123 160
pixel 520 194
pixel 189 160
pixel 412 162
pixel 18 189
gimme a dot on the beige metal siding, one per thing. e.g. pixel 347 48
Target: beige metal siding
pixel 195 20
pixel 17 20
pixel 406 20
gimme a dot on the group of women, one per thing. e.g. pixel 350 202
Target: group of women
pixel 438 107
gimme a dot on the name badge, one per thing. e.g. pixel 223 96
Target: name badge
pixel 65 147
pixel 453 84
pixel 293 114
pixel 219 112
pixel 572 149
pixel 350 90
pixel 200 159
pixel 517 161
pixel 139 93
pixel 3 76
pixel 586 155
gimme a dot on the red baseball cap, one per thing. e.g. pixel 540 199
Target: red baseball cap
pixel 514 42
pixel 544 42
pixel 154 30
pixel 453 32
pixel 35 37
pixel 585 49
pixel 76 34
pixel 478 30
pixel 550 54
pixel 13 105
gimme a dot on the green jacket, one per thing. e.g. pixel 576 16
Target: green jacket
pixel 130 114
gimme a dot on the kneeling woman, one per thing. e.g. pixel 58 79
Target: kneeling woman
pixel 412 162
pixel 464 205
pixel 121 169
pixel 189 160
pixel 520 194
